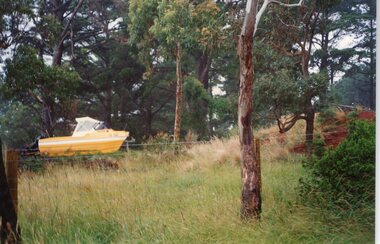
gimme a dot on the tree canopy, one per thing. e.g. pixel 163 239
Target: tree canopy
pixel 127 62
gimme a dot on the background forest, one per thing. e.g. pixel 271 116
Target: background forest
pixel 118 61
pixel 181 71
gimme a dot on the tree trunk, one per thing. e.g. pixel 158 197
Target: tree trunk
pixel 251 195
pixel 58 48
pixel 325 60
pixel 47 117
pixel 48 105
pixel 57 54
pixel 10 231
pixel 178 95
pixel 310 115
pixel 108 107
pixel 210 120
pixel 148 120
pixel 204 63
pixel 203 69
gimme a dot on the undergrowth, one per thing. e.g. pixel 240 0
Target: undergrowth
pixel 193 197
pixel 343 179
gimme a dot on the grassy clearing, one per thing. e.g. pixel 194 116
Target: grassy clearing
pixel 194 198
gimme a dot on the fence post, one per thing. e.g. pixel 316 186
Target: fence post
pixel 258 159
pixel 12 161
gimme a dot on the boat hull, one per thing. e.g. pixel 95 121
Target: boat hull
pixel 99 142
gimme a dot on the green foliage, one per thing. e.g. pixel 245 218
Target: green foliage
pixel 140 18
pixel 353 115
pixel 326 114
pixel 12 13
pixel 354 87
pixel 195 110
pixel 345 176
pixel 18 125
pixel 278 90
pixel 224 114
pixel 194 91
pixel 173 26
pixel 50 28
pixel 27 77
pixel 286 93
pixel 34 84
pixel 318 146
pixel 208 25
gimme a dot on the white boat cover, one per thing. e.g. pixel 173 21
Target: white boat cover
pixel 86 125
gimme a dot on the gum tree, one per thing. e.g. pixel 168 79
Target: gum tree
pixel 251 195
pixel 172 29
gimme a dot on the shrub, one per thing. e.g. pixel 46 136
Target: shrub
pixel 159 143
pixel 326 114
pixel 344 176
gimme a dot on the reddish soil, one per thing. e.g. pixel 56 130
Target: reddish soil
pixel 333 137
pixel 300 148
pixel 367 115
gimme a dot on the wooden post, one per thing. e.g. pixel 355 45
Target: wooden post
pixel 12 161
pixel 10 231
pixel 258 158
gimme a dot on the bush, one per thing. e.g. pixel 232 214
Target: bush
pixel 159 143
pixel 344 176
pixel 327 114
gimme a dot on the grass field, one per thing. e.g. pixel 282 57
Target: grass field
pixel 194 198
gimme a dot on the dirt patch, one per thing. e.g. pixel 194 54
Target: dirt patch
pixel 334 138
pixel 300 148
pixel 367 115
pixel 335 130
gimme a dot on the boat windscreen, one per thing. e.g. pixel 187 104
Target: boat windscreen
pixel 84 126
pixel 87 126
pixel 100 126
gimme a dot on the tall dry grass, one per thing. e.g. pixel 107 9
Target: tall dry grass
pixel 274 145
pixel 192 198
pixel 217 152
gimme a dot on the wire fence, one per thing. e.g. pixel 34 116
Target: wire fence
pixel 17 163
pixel 36 161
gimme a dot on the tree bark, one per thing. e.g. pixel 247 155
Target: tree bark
pixel 57 54
pixel 10 230
pixel 148 116
pixel 108 106
pixel 251 195
pixel 203 69
pixel 178 105
pixel 204 63
pixel 310 115
pixel 60 8
pixel 47 116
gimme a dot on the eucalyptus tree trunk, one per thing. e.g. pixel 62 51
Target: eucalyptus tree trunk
pixel 203 70
pixel 251 195
pixel 178 95
pixel 204 63
pixel 250 169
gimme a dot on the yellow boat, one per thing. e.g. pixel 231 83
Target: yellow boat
pixel 89 137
